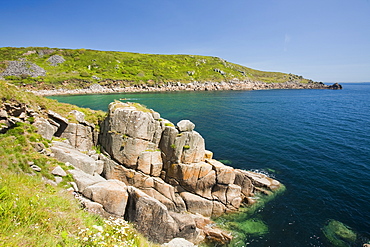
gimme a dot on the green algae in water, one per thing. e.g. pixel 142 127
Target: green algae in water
pixel 270 170
pixel 339 234
pixel 250 227
pixel 247 223
pixel 226 162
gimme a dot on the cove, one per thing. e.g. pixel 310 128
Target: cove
pixel 316 142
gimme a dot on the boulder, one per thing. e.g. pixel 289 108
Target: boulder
pixel 80 116
pixel 233 197
pixel 229 195
pixel 58 171
pixel 261 180
pixel 93 207
pixel 198 178
pixel 84 180
pixel 193 148
pixel 211 232
pixel 58 179
pixel 3 114
pixel 125 150
pixel 153 186
pixel 148 214
pixel 99 166
pixel 244 182
pixel 196 204
pixel 65 153
pixel 79 136
pixel 217 235
pixel 185 125
pixel 185 147
pixel 35 167
pixel 187 227
pixel 150 162
pixel 127 120
pixel 224 174
pixel 170 205
pixel 44 128
pixel 218 209
pixel 112 194
pixel 167 144
pixel 179 242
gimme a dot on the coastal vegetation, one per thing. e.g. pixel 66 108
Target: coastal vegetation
pixel 33 211
pixel 11 93
pixel 51 68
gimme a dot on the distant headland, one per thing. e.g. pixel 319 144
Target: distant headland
pixel 49 71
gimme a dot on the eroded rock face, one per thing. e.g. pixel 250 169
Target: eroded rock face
pixel 182 147
pixel 152 173
pixel 79 136
pixel 111 194
pixel 45 128
pixel 66 153
pixel 127 132
pixel 171 164
pixel 150 216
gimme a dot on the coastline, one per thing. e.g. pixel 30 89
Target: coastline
pixel 178 86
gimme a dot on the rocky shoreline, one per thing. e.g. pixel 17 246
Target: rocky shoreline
pixel 192 86
pixel 151 172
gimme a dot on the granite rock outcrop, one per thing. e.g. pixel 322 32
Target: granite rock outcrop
pixel 169 163
pixel 150 172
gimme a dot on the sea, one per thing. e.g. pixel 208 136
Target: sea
pixel 314 141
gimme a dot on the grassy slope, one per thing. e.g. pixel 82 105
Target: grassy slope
pixel 129 68
pixel 33 213
pixel 11 93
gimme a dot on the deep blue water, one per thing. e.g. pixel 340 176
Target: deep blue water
pixel 316 142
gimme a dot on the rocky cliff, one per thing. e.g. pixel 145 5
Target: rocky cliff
pixel 152 173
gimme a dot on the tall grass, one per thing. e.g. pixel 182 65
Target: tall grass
pixel 34 213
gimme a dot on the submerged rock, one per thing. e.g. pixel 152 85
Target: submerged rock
pixel 338 234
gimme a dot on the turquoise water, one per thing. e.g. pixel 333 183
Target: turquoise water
pixel 316 142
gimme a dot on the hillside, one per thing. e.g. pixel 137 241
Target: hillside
pixel 50 68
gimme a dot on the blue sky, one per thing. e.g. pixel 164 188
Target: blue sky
pixel 323 40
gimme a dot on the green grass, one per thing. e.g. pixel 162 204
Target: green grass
pixel 124 68
pixel 34 213
pixel 12 93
